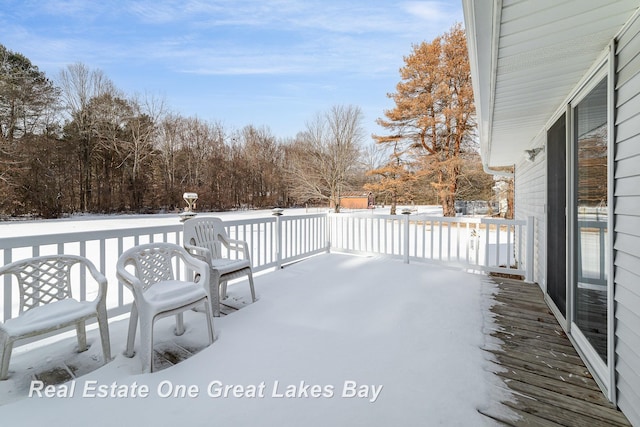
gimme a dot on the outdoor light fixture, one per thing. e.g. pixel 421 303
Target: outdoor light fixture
pixel 533 153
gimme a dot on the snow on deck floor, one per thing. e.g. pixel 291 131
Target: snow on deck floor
pixel 333 340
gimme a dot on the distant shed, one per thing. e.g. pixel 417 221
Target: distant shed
pixel 357 200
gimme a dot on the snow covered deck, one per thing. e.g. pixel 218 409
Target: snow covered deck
pixel 332 340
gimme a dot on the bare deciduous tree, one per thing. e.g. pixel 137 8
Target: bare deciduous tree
pixel 142 125
pixel 394 178
pixel 323 158
pixel 264 165
pixel 110 113
pixel 79 86
pixel 168 147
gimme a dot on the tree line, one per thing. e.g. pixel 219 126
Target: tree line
pixel 82 145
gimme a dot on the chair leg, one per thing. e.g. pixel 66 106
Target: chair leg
pixel 253 290
pixel 179 324
pixel 214 293
pixel 7 347
pixel 208 312
pixel 103 325
pixel 81 332
pixel 146 346
pixel 223 290
pixel 131 336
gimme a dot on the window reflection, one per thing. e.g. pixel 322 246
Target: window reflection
pixel 591 225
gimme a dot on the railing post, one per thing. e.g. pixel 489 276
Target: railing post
pixel 406 212
pixel 529 248
pixel 8 298
pixel 277 212
pixel 327 219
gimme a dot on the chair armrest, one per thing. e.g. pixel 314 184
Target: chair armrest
pixel 201 267
pixel 128 279
pixel 203 254
pixel 99 278
pixel 238 246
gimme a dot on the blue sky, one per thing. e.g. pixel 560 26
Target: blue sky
pixel 259 62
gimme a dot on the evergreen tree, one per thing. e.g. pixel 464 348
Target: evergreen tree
pixel 434 110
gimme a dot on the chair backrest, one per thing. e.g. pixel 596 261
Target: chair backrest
pixel 206 232
pixel 152 262
pixel 43 279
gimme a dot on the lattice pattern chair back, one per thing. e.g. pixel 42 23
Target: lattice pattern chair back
pixel 42 281
pixel 159 293
pixel 47 303
pixel 155 265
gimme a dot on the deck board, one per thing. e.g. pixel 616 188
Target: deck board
pixel 551 385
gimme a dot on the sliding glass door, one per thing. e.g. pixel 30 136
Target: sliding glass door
pixel 590 292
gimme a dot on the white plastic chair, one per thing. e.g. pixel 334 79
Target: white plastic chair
pixel 47 303
pixel 149 271
pixel 204 238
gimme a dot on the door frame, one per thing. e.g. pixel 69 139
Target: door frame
pixel 604 373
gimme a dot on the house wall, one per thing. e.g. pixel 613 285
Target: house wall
pixel 627 222
pixel 530 200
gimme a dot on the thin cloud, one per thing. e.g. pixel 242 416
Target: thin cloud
pixel 200 35
pixel 69 8
pixel 154 13
pixel 204 54
pixel 432 11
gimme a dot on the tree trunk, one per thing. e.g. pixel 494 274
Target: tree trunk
pixel 394 203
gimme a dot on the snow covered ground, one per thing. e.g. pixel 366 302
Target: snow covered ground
pixel 95 222
pixel 333 340
pixel 91 222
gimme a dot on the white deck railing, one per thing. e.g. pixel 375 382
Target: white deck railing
pixel 102 247
pixel 283 239
pixel 485 244
pixel 490 245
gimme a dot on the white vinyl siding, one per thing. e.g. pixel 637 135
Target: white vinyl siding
pixel 530 200
pixel 627 222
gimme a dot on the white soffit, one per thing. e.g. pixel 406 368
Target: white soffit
pixel 526 57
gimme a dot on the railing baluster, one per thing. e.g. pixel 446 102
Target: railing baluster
pixel 477 243
pixel 415 238
pixel 498 245
pixel 83 272
pixel 448 241
pixel 440 240
pixel 486 244
pixel 120 285
pixel 457 241
pixel 8 290
pixel 510 229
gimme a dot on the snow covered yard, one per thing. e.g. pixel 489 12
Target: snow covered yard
pixel 332 340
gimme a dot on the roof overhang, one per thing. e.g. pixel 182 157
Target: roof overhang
pixel 526 57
